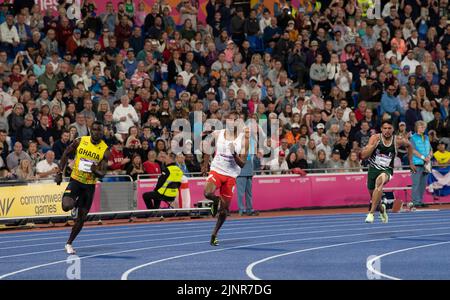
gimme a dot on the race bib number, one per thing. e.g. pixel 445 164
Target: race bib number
pixel 85 165
pixel 383 160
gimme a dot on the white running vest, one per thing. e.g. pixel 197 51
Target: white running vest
pixel 223 162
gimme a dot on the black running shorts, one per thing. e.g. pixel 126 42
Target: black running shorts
pixel 80 192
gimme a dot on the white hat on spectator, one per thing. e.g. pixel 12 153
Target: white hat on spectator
pixel 185 93
pixel 295 125
pixel 254 78
pixel 211 91
pixel 320 125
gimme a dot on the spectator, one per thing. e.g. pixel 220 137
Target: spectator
pixel 321 163
pixel 43 134
pixel 135 168
pixel 117 161
pixel 335 164
pixel 412 115
pixel 61 144
pixel 125 116
pixel 422 154
pixel 24 171
pixel 14 158
pixel 352 164
pixel 278 165
pixel 390 104
pixel 442 156
pixel 344 147
pixel 47 168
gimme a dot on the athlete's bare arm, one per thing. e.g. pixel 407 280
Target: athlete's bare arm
pixel 405 143
pixel 241 159
pixel 102 167
pixel 206 154
pixel 64 159
pixel 373 142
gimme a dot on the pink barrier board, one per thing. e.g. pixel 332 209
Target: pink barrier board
pixel 293 191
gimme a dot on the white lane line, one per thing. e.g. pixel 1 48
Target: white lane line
pixel 370 262
pixel 132 228
pixel 163 231
pixel 169 230
pixel 149 227
pixel 126 274
pixel 250 267
pixel 200 242
pixel 182 223
pixel 193 226
pixel 224 232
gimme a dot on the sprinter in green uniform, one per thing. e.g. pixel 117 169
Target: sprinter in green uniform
pixel 381 152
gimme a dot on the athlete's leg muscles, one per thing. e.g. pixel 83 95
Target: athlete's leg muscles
pixel 370 203
pixel 378 191
pixel 84 205
pixel 210 188
pixel 223 212
pixel 68 203
pixel 79 222
pixel 70 196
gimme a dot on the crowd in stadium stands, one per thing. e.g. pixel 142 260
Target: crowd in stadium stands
pixel 330 71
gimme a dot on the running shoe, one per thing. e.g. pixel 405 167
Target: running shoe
pixel 69 249
pixel 369 218
pixel 383 215
pixel 214 241
pixel 215 207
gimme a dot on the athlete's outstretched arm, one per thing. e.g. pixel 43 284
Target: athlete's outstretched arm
pixel 367 151
pixel 64 158
pixel 405 143
pixel 241 159
pixel 207 152
pixel 102 167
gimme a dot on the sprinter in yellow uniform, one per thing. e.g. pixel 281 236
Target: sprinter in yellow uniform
pixel 91 162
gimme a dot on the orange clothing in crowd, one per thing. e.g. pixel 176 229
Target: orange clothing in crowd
pixel 291 139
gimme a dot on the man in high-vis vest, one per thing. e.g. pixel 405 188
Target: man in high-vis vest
pixel 167 186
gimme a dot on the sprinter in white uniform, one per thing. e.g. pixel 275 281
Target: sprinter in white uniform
pixel 230 156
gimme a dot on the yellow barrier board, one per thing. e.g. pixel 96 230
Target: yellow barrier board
pixel 32 200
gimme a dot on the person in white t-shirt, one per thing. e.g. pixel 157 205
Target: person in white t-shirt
pixel 125 115
pixel 47 168
pixel 279 164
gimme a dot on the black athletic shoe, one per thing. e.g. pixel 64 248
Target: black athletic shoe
pixel 215 207
pixel 214 241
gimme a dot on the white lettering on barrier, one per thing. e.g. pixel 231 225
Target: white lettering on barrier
pixel 299 180
pixel 325 179
pixel 354 178
pixel 268 181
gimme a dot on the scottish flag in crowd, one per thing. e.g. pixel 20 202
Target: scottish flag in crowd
pixel 439 181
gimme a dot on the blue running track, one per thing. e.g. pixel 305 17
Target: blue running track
pixel 411 246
